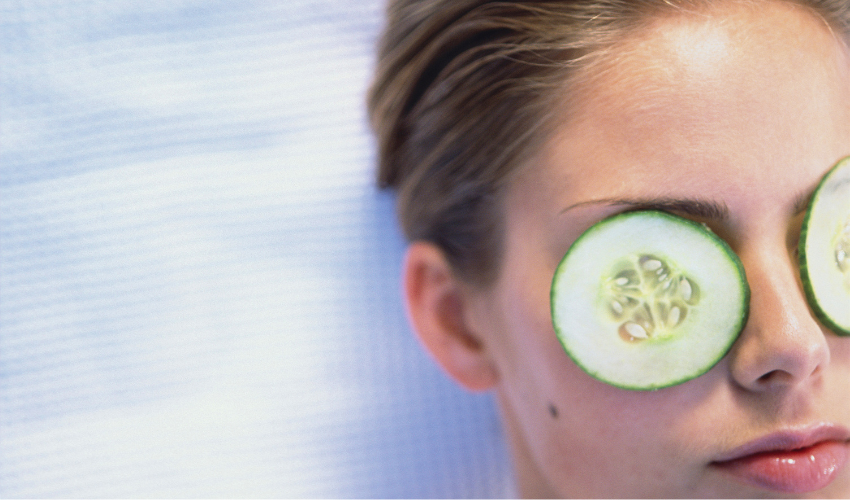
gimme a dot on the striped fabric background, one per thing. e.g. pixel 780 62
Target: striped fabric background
pixel 198 280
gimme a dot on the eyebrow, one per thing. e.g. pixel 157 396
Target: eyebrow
pixel 694 207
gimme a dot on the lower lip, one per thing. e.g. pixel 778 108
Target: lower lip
pixel 796 471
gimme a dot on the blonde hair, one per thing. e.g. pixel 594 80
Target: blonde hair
pixel 464 95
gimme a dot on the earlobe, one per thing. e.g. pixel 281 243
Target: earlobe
pixel 436 303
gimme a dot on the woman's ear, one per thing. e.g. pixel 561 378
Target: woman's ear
pixel 437 305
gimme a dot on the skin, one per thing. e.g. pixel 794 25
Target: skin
pixel 745 108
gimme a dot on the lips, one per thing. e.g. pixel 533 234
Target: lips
pixel 790 462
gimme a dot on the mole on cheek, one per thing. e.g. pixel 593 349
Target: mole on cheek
pixel 553 410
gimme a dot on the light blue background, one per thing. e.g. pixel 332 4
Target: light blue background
pixel 199 287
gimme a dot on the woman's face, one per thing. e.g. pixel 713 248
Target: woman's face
pixel 744 109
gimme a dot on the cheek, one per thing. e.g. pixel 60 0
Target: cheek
pixel 556 403
pixel 529 349
pixel 534 369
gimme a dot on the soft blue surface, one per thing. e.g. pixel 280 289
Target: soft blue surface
pixel 198 281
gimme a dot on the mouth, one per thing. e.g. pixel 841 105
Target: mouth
pixel 790 461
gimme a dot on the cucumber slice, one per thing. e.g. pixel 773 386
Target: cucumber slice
pixel 645 300
pixel 824 249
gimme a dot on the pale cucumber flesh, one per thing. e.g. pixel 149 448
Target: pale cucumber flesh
pixel 824 250
pixel 645 300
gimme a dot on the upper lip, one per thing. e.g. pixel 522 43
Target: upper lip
pixel 787 440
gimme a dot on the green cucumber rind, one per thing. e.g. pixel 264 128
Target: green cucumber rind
pixel 806 278
pixel 720 353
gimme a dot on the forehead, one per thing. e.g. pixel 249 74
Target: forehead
pixel 730 87
pixel 730 43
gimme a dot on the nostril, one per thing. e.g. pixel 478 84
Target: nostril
pixel 780 377
pixel 773 377
pixel 777 378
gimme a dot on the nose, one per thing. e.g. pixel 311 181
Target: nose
pixel 782 344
